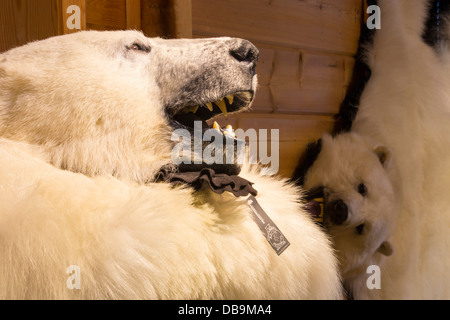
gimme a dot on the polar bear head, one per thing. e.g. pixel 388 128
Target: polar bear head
pixel 106 103
pixel 360 198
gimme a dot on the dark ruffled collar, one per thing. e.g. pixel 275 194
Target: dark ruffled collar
pixel 217 182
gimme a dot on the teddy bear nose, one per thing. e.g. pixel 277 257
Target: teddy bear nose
pixel 337 211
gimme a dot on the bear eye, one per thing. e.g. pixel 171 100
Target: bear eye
pixel 360 229
pixel 362 189
pixel 139 47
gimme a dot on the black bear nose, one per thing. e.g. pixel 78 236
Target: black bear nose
pixel 337 211
pixel 245 52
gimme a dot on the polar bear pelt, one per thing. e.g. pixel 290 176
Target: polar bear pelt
pixel 85 124
pixel 388 179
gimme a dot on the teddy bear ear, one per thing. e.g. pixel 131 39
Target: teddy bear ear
pixel 386 249
pixel 384 154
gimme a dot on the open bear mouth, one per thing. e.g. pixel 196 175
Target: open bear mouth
pixel 186 116
pixel 194 116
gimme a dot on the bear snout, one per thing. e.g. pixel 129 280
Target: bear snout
pixel 245 52
pixel 336 211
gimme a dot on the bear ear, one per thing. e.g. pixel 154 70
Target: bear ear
pixel 386 249
pixel 384 154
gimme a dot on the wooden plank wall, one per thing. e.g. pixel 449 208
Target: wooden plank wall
pixel 106 14
pixel 22 21
pixel 113 14
pixel 167 18
pixel 305 65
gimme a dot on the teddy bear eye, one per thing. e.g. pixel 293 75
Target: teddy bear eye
pixel 362 189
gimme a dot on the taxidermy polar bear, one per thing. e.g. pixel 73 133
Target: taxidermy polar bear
pixel 85 125
pixel 386 182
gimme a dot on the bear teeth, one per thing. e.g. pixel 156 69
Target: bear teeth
pixel 193 109
pixel 227 131
pixel 230 99
pixel 216 126
pixel 222 106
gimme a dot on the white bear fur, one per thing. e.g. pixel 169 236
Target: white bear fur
pixel 131 240
pixel 405 107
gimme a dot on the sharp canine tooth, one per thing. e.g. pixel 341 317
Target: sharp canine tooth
pixel 222 106
pixel 230 98
pixel 193 109
pixel 209 106
pixel 229 131
pixel 216 126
